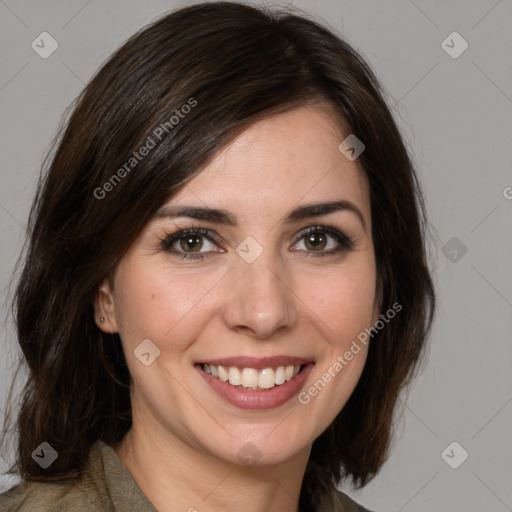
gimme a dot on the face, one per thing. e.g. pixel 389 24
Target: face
pixel 253 290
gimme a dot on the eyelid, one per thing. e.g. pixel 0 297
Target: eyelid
pixel 171 238
pixel 330 229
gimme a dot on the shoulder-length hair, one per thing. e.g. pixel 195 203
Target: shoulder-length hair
pixel 198 77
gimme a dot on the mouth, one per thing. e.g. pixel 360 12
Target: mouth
pixel 251 383
pixel 252 378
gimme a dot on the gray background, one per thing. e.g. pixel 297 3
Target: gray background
pixel 456 114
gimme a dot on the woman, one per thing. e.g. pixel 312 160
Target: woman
pixel 226 286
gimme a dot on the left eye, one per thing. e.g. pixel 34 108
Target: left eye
pixel 317 240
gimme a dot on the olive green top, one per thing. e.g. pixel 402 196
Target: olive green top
pixel 106 486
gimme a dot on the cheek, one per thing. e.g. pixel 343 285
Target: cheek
pixel 343 302
pixel 152 302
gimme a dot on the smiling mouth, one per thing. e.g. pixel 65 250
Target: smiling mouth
pixel 252 378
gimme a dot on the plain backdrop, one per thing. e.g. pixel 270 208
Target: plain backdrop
pixel 455 111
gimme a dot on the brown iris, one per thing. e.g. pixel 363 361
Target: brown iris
pixel 187 242
pixel 316 240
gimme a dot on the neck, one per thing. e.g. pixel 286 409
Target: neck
pixel 176 476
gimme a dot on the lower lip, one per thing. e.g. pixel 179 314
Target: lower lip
pixel 252 399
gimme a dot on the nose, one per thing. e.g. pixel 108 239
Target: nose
pixel 259 300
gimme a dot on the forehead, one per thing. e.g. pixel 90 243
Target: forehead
pixel 277 163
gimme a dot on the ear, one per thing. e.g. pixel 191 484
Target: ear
pixel 104 308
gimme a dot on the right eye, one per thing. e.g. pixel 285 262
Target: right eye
pixel 188 239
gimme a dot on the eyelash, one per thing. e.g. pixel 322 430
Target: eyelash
pixel 345 242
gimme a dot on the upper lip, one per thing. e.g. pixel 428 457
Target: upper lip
pixel 258 363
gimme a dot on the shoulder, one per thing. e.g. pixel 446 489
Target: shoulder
pixel 88 494
pixel 349 505
pixel 50 497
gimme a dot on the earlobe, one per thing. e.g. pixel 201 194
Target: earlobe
pixel 104 308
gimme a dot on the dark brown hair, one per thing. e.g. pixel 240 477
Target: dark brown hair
pixel 238 64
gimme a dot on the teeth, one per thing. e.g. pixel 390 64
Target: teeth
pixel 235 377
pixel 266 378
pixel 251 378
pixel 223 374
pixel 280 375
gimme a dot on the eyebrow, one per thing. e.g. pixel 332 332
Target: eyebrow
pixel 226 218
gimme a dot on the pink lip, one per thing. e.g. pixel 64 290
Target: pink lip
pixel 258 363
pixel 254 399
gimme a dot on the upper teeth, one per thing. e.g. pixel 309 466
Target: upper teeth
pixel 252 378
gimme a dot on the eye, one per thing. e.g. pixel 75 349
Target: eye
pixel 316 241
pixel 190 240
pixel 188 243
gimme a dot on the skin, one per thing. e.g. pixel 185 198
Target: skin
pixel 182 448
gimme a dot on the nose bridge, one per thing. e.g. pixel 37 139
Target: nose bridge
pixel 259 300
